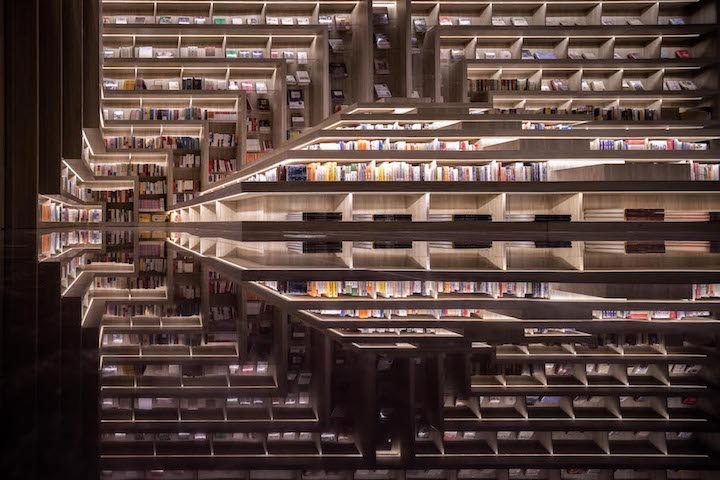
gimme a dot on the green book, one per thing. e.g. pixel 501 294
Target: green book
pixel 220 21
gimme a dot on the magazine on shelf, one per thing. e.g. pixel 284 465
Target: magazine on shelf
pixel 381 66
pixel 382 90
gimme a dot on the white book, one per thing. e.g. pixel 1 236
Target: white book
pixel 145 52
pixel 519 22
pixel 303 77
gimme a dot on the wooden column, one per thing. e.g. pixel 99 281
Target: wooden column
pixel 72 78
pixel 21 114
pixel 50 96
pixel 91 14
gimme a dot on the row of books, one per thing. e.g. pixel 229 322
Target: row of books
pixel 338 22
pixel 56 242
pixel 222 139
pixel 152 188
pixel 147 113
pixel 406 172
pixel 221 286
pixel 118 215
pixel 69 184
pixel 119 237
pixel 113 196
pixel 144 143
pixel 149 282
pixel 258 125
pixel 151 204
pixel 180 186
pixel 57 212
pixel 704 171
pixel 129 170
pixel 152 265
pixel 648 315
pixel 648 215
pixel 187 292
pixel 386 144
pixel 402 289
pixel 222 165
pixel 706 290
pixel 404 313
pixel 184 197
pixel 146 249
pixel 507 84
pixel 188 160
pixel 645 144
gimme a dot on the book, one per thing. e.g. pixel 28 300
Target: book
pixel 145 52
pixel 302 57
pixel 290 79
pixel 303 77
pixel 382 90
pixel 526 54
pixel 457 54
pixel 263 104
pixel 498 22
pixel 445 21
pixel 519 22
pixel 574 56
pixel 381 66
pixel 338 70
pixel 261 88
pixel 420 25
pixel 381 41
pixel 688 85
pixel 337 96
pixel 682 54
pixel 380 16
pixel 598 86
pixel 336 45
pixel 287 21
pixel 677 21
pixel 464 21
pixel 303 20
pixel 342 23
pixel 272 21
pixel 505 55
pixel 559 85
pixel 545 56
pixel 633 56
pixel 634 21
pixel 672 85
pixel 296 99
pixel 589 56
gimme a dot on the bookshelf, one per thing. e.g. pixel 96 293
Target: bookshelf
pixel 503 266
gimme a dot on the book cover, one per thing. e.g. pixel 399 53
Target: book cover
pixel 382 90
pixel 338 70
pixel 381 66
